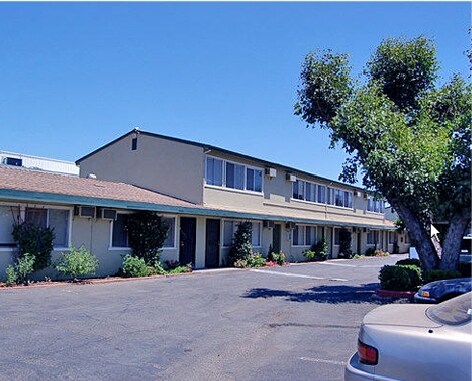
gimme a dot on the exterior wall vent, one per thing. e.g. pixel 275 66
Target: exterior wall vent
pixel 290 177
pixel 271 172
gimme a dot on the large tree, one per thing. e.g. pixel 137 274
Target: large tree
pixel 407 136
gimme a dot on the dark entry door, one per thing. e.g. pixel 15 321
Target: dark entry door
pixel 188 233
pixel 276 237
pixel 359 245
pixel 212 247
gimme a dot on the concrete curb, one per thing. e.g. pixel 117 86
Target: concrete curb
pixel 396 294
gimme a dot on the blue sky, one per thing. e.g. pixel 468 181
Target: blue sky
pixel 74 76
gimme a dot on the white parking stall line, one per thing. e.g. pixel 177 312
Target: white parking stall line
pixel 323 361
pixel 288 274
pixel 299 275
pixel 336 264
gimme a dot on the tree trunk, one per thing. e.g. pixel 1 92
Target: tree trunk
pixel 451 245
pixel 419 235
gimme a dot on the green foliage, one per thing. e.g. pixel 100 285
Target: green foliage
pixel 409 261
pixel 242 242
pixel 370 252
pixel 404 68
pixel 255 260
pixel 399 224
pixel 240 263
pixel 325 86
pixel 381 253
pixel 278 258
pixel 345 239
pixel 317 252
pixel 400 278
pixel 434 275
pixel 146 235
pixel 35 240
pixel 18 273
pixel 135 267
pixel 11 275
pixel 78 262
pixel 180 269
pixel 409 139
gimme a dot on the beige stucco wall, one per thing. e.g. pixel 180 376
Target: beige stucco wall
pixel 162 165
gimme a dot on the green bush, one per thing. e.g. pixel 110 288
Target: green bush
pixel 241 263
pixel 345 239
pixel 146 235
pixel 381 253
pixel 370 252
pixel 317 252
pixel 135 267
pixel 181 269
pixel 18 273
pixel 400 278
pixel 434 275
pixel 255 260
pixel 35 240
pixel 77 263
pixel 409 261
pixel 242 243
pixel 278 258
pixel 12 275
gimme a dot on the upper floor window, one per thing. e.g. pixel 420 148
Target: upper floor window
pixel 321 194
pixel 310 192
pixel 214 171
pixel 304 190
pixel 227 174
pixel 376 206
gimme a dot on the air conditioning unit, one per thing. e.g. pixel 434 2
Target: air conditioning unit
pixel 271 172
pixel 290 177
pixel 85 211
pixel 268 224
pixel 107 214
pixel 13 161
pixel 290 225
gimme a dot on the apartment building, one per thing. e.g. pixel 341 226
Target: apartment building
pixel 202 191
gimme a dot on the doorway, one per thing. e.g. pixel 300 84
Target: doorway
pixel 276 235
pixel 188 233
pixel 212 245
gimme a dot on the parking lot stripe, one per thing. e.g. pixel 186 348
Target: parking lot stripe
pixel 323 361
pixel 288 274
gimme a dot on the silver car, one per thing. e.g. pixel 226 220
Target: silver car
pixel 415 342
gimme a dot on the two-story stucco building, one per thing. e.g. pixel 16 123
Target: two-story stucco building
pixel 203 192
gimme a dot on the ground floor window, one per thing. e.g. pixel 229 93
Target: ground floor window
pixel 9 215
pixel 336 236
pixel 372 237
pixel 230 227
pixel 170 240
pixel 391 237
pixel 119 235
pixel 303 235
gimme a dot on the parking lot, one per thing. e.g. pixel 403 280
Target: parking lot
pixel 297 322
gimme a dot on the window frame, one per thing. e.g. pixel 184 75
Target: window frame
pixel 304 227
pixel 22 213
pixel 223 180
pixel 175 231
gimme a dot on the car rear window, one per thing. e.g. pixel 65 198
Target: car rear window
pixel 453 312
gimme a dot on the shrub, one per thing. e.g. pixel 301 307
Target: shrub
pixel 278 258
pixel 77 263
pixel 381 253
pixel 171 264
pixel 242 243
pixel 146 235
pixel 345 239
pixel 135 267
pixel 35 240
pixel 255 260
pixel 241 263
pixel 317 252
pixel 434 275
pixel 18 273
pixel 12 275
pixel 370 252
pixel 409 261
pixel 400 278
pixel 181 269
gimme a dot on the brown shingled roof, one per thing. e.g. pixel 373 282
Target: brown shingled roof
pixel 22 179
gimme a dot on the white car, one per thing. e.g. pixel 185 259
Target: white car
pixel 415 342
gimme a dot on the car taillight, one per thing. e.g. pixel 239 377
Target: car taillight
pixel 367 355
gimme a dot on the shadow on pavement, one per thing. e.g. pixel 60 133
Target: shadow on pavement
pixel 322 294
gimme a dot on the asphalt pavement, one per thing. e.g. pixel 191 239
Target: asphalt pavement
pixel 296 322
